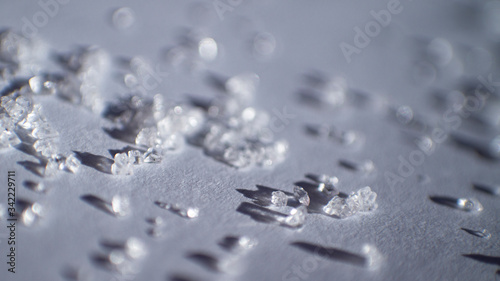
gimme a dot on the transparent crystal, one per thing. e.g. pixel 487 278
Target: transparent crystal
pixel 264 44
pixel 237 157
pixel 334 91
pixel 335 207
pixel 8 138
pixel 207 49
pixel 19 108
pixel 40 85
pixel 279 198
pixel 190 212
pixel 72 163
pixel 297 217
pixel 173 142
pixel 147 137
pixel 153 155
pixel 120 205
pixel 367 199
pixel 301 195
pixel 135 157
pixel 328 184
pixel 123 18
pixel 33 119
pixel 122 165
pixel 469 204
pixel 43 131
pixel 45 147
pixel 374 258
pixel 135 248
pixel 243 86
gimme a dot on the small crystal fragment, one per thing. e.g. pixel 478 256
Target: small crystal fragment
pixel 328 184
pixel 8 139
pixel 123 18
pixel 243 86
pixel 264 44
pixel 153 155
pixel 238 244
pixel 367 199
pixel 207 49
pixel 373 257
pixel 122 165
pixel 44 131
pixel 120 205
pixel 335 207
pixel 147 137
pixel 135 157
pixel 40 85
pixel 297 217
pixel 52 166
pixel 72 163
pixel 469 204
pixel 190 212
pixel 279 198
pixel 135 248
pixel 301 195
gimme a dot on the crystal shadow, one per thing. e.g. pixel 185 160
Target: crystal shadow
pixel 97 203
pixel 332 253
pixel 261 196
pixel 99 163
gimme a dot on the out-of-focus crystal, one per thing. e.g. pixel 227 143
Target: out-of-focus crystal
pixel 120 205
pixel 147 137
pixel 297 217
pixel 122 165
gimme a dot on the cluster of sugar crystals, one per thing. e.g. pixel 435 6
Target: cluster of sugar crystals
pixel 229 130
pixel 361 201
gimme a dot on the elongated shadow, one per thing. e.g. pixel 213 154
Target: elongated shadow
pixel 318 198
pixel 97 203
pixel 127 135
pixel 102 261
pixel 310 97
pixel 126 149
pixel 206 260
pixel 474 232
pixel 483 258
pixel 216 81
pixel 36 168
pixel 445 201
pixel 262 196
pixel 259 213
pixel 100 163
pixel 180 277
pixel 332 253
pixel 488 189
